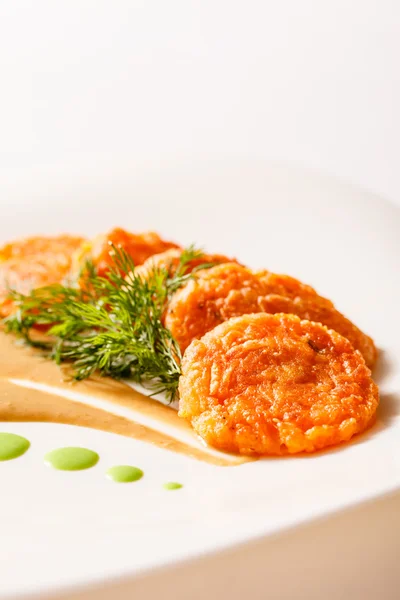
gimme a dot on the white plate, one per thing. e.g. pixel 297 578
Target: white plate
pixel 74 529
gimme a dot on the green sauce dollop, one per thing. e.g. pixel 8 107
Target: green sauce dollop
pixel 124 474
pixel 12 446
pixel 71 459
pixel 172 485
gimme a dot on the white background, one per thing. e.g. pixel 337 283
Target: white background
pixel 315 82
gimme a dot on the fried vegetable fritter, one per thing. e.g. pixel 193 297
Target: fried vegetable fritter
pixel 264 384
pixel 58 245
pixel 139 246
pixel 34 262
pixel 169 260
pixel 230 290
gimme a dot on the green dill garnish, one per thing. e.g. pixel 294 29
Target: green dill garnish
pixel 111 326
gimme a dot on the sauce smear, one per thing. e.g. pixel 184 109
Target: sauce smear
pixel 33 388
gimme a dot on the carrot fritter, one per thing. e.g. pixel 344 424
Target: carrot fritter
pixel 34 262
pixel 62 245
pixel 274 384
pixel 139 246
pixel 169 260
pixel 230 290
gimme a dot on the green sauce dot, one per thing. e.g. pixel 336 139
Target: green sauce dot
pixel 124 474
pixel 172 485
pixel 12 446
pixel 71 459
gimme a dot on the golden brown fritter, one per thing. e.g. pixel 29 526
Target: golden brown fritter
pixel 139 246
pixel 230 290
pixel 57 245
pixel 274 384
pixel 34 262
pixel 169 260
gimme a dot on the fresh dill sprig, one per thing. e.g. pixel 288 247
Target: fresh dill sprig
pixel 180 275
pixel 112 326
